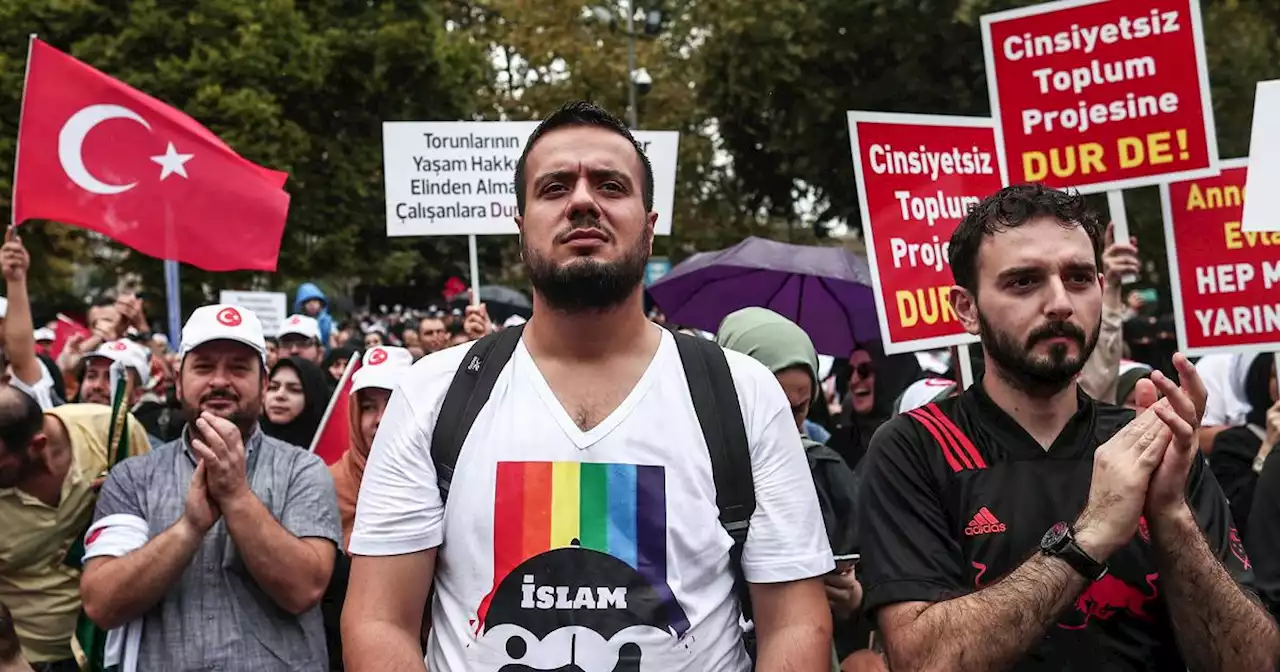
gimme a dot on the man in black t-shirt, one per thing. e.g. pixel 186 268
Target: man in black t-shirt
pixel 1023 525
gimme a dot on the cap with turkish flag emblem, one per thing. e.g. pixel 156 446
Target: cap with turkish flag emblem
pixel 128 353
pixel 381 367
pixel 221 322
pixel 300 325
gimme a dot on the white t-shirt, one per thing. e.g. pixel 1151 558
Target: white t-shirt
pixel 600 548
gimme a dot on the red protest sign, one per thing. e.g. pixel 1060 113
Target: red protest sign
pixel 1100 95
pixel 918 175
pixel 1226 281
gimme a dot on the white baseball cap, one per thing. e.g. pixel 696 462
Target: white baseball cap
pixel 45 334
pixel 128 353
pixel 924 392
pixel 381 367
pixel 300 325
pixel 221 322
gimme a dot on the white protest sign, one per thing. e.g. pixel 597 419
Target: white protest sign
pixel 446 178
pixel 270 307
pixel 1262 189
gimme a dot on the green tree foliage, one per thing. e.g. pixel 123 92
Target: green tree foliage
pixel 298 86
pixel 546 52
pixel 779 77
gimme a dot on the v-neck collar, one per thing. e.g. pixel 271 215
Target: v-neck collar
pixel 581 439
pixel 1066 445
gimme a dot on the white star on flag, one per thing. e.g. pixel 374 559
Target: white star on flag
pixel 172 162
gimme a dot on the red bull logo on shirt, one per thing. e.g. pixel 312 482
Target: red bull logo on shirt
pixel 1108 597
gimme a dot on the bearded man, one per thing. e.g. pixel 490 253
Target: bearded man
pixel 1023 525
pixel 217 546
pixel 585 478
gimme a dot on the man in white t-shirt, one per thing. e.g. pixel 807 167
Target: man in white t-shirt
pixel 582 528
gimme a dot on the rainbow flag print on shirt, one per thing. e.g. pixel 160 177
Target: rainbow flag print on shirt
pixel 618 509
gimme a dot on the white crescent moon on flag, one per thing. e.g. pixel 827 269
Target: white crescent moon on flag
pixel 71 141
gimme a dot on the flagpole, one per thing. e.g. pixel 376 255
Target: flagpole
pixel 333 401
pixel 17 145
pixel 173 302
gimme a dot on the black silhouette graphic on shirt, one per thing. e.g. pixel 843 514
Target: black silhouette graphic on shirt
pixel 628 657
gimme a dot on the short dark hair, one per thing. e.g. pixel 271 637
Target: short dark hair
pixel 20 419
pixel 1010 208
pixel 582 113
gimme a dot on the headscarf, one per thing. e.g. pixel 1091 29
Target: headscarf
pixel 348 471
pixel 770 339
pixel 315 391
pixel 780 344
pixel 894 374
pixel 1223 376
pixel 1129 375
pixel 1256 386
pixel 335 355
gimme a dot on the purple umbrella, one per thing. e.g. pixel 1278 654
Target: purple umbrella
pixel 825 290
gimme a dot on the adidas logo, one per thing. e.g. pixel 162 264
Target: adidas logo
pixel 474 365
pixel 984 522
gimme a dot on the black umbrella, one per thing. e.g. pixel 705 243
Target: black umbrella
pixel 501 302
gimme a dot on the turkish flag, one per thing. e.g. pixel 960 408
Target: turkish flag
pixel 99 154
pixel 453 287
pixel 64 329
pixel 333 439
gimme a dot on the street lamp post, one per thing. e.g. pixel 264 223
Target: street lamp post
pixel 631 67
pixel 638 79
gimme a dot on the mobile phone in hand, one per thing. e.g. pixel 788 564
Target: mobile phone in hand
pixel 844 563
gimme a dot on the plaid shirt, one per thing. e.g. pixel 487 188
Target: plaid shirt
pixel 216 617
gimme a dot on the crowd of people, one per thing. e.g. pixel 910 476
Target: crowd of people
pixel 595 490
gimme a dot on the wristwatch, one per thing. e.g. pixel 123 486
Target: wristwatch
pixel 1060 542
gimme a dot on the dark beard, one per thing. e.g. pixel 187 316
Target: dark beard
pixel 1034 376
pixel 244 418
pixel 584 285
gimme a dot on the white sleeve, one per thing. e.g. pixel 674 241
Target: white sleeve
pixel 41 390
pixel 399 509
pixel 786 540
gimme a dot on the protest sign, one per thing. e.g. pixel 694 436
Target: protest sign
pixel 1100 95
pixel 457 177
pixel 270 307
pixel 918 176
pixel 1264 161
pixel 1225 281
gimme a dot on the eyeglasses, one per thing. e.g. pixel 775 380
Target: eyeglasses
pixel 864 370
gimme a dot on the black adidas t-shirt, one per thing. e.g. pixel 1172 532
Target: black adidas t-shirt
pixel 956 495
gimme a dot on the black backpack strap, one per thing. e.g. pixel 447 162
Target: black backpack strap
pixel 467 394
pixel 715 399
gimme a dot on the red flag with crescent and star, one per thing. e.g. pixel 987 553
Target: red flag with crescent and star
pixel 333 437
pixel 98 154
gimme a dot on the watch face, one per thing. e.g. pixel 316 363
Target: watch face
pixel 1054 536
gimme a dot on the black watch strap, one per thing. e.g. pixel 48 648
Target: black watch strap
pixel 1060 542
